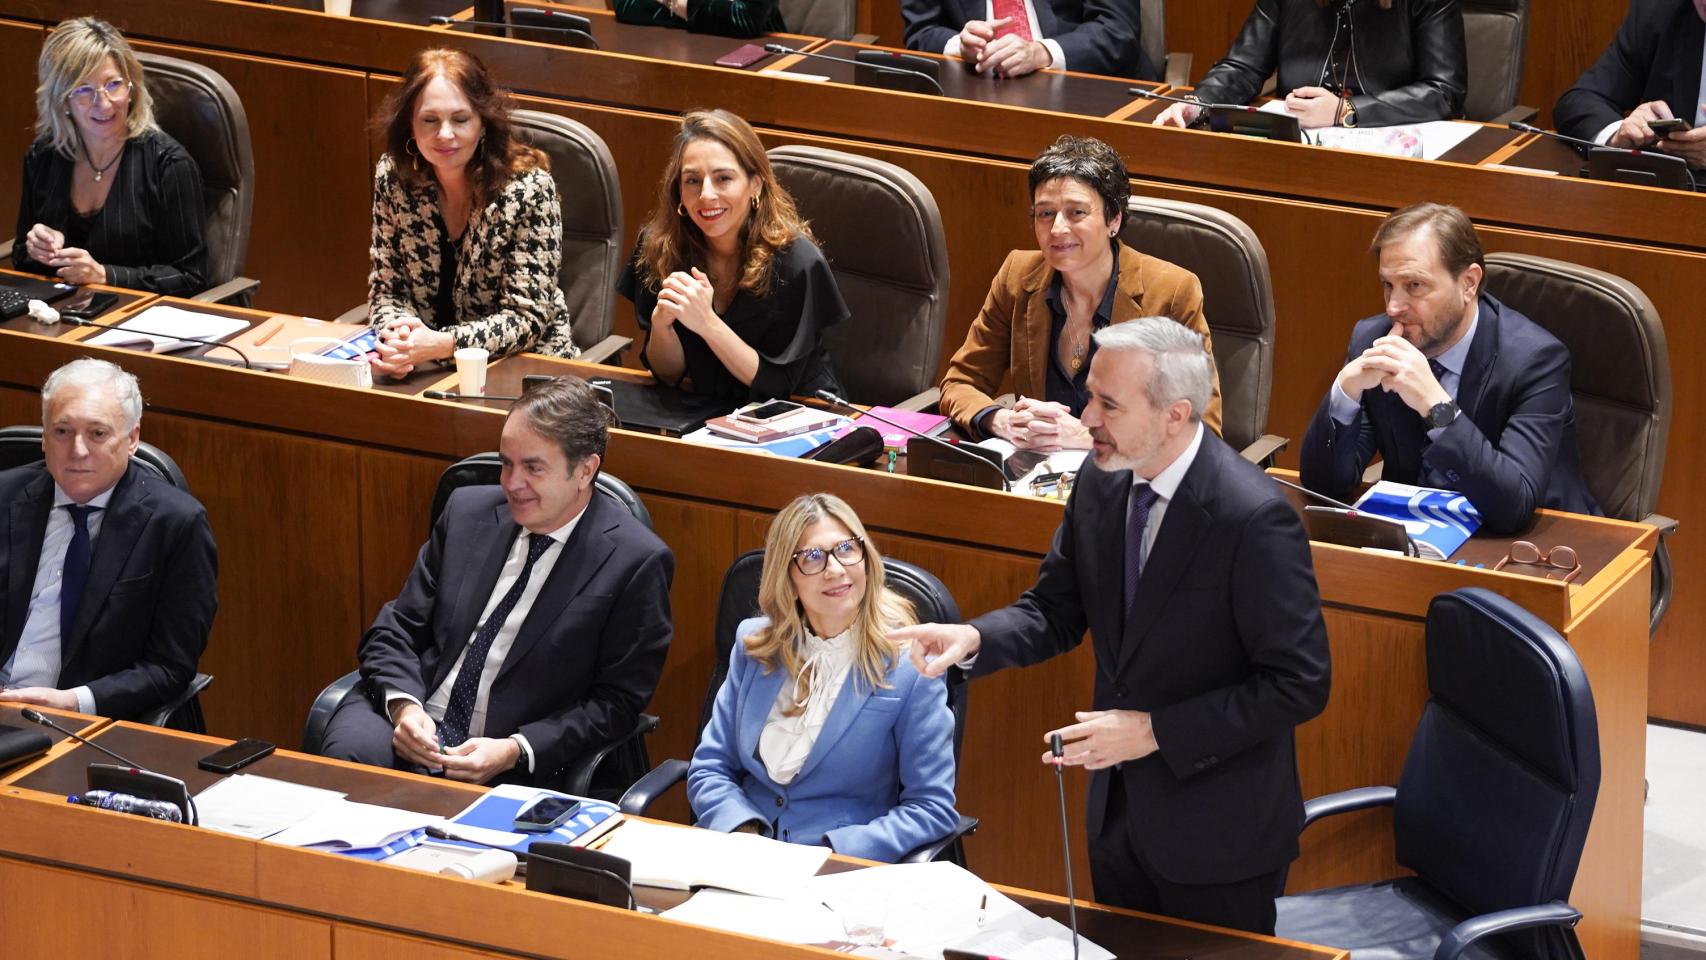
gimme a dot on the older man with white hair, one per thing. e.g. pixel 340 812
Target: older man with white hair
pixel 109 572
pixel 1193 576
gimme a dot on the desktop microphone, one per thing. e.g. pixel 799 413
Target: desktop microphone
pixel 591 42
pixel 1300 488
pixel 449 395
pixel 834 400
pixel 142 333
pixel 1058 748
pixel 1575 142
pixel 777 48
pixel 1202 105
pixel 35 716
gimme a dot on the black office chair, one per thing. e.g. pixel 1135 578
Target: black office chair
pixel 738 601
pixel 588 775
pixel 21 446
pixel 1493 806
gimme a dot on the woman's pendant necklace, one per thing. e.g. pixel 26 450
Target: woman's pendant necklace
pixel 100 172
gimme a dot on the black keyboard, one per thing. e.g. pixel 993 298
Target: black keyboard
pixel 13 303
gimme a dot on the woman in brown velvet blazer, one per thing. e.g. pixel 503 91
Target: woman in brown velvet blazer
pixel 1044 304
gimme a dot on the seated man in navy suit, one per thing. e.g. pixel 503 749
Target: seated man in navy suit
pixel 535 622
pixel 1451 387
pixel 1010 38
pixel 1655 69
pixel 109 571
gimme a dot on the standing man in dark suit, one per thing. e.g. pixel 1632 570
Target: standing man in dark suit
pixel 109 571
pixel 1192 573
pixel 1655 69
pixel 1451 387
pixel 535 622
pixel 1010 38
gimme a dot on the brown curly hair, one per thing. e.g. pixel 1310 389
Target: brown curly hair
pixel 500 156
pixel 670 241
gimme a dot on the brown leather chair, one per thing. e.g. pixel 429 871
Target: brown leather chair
pixel 198 108
pixel 1495 35
pixel 880 229
pixel 1238 301
pixel 1152 22
pixel 1619 377
pixel 591 195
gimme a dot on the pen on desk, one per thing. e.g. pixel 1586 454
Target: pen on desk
pixel 982 909
pixel 262 340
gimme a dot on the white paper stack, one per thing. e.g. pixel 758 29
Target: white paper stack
pixel 258 807
pixel 164 328
pixel 680 859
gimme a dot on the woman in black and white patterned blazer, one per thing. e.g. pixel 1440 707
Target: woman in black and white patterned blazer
pixel 467 227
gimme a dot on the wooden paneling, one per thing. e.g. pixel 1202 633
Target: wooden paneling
pixel 313 185
pixel 19 46
pixel 153 921
pixel 283 510
pixel 360 943
pixel 394 513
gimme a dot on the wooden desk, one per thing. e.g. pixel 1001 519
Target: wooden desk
pixel 24 323
pixel 319 905
pixel 81 724
pixel 318 497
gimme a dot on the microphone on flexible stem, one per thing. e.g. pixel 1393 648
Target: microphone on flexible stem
pixel 1202 104
pixel 148 333
pixel 1300 488
pixel 1058 748
pixel 834 400
pixel 590 41
pixel 777 48
pixel 450 395
pixel 1576 142
pixel 35 716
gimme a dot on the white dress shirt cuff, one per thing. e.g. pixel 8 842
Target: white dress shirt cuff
pixel 85 700
pixel 1341 406
pixel 1057 56
pixel 392 696
pixel 526 749
pixel 952 47
pixel 1604 136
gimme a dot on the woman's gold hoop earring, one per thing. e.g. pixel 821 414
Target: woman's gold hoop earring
pixel 681 210
pixel 414 152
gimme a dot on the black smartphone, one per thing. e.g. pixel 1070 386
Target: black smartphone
pixel 236 756
pixel 1665 128
pixel 87 305
pixel 545 814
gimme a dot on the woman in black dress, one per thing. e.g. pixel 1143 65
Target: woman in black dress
pixel 108 197
pixel 726 281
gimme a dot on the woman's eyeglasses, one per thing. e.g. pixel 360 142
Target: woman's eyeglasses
pixel 812 560
pixel 1559 558
pixel 116 91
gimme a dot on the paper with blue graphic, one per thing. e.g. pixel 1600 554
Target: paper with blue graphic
pixel 1439 521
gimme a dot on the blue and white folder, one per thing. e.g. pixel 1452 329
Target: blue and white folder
pixel 493 818
pixel 1439 521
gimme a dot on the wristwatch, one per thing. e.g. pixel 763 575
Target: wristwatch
pixel 1442 415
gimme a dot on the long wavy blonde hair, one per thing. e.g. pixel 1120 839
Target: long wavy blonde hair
pixel 880 610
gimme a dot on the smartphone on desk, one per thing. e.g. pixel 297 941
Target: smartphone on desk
pixel 545 814
pixel 87 305
pixel 742 56
pixel 236 756
pixel 774 410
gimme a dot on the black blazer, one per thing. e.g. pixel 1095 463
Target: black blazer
pixel 1225 648
pixel 1097 36
pixel 149 235
pixel 1655 56
pixel 589 652
pixel 150 597
pixel 1512 449
pixel 1411 59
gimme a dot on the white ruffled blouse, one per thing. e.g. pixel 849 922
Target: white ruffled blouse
pixel 787 741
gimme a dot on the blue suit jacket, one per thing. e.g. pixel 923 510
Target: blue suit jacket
pixel 1512 449
pixel 879 781
pixel 148 603
pixel 1097 36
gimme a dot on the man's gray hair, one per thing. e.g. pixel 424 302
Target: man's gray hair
pixel 1183 369
pixel 86 372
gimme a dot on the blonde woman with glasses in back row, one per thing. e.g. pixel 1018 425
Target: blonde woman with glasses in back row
pixel 108 197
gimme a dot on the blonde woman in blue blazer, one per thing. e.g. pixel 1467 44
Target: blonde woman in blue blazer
pixel 823 732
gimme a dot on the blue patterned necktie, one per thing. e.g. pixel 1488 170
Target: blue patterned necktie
pixel 75 574
pixel 459 712
pixel 1143 497
pixel 1427 477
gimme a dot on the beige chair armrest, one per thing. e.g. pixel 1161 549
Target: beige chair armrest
pixel 923 402
pixel 230 290
pixel 608 350
pixel 866 38
pixel 357 314
pixel 1177 71
pixel 1263 450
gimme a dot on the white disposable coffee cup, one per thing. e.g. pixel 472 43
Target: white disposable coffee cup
pixel 471 370
pixel 338 8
